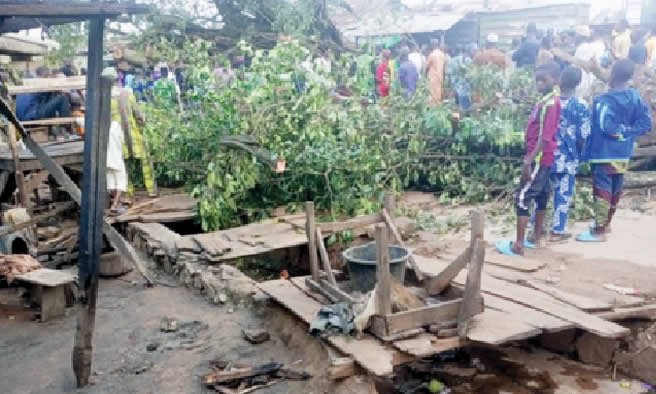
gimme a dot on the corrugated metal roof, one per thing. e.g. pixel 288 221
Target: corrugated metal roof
pixel 357 18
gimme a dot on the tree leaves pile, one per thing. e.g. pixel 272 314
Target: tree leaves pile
pixel 341 152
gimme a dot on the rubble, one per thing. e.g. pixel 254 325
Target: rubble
pixel 256 335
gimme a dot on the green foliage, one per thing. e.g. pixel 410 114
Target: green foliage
pixel 72 38
pixel 341 152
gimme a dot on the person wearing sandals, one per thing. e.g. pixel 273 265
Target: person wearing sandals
pixel 619 117
pixel 572 133
pixel 540 139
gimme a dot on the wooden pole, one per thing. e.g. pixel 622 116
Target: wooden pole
pixel 477 227
pixel 23 197
pixel 383 280
pixel 471 299
pixel 397 237
pixel 324 257
pixel 97 121
pixel 310 230
pixel 389 204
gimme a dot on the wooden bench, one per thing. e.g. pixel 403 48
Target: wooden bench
pixel 48 290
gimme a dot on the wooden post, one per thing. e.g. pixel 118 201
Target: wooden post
pixel 389 204
pixel 98 119
pixel 310 230
pixel 471 300
pixel 324 257
pixel 23 197
pixel 477 227
pixel 383 280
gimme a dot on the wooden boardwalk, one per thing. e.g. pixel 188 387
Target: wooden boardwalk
pixel 64 153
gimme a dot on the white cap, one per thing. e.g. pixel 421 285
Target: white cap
pixel 492 38
pixel 110 72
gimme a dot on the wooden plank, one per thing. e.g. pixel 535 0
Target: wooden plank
pixel 360 221
pixel 495 328
pixel 341 368
pixel 383 291
pixel 326 289
pixel 83 10
pixel 52 303
pixel 477 227
pixel 368 352
pixel 437 284
pixel 646 312
pixel 547 304
pixel 23 197
pixel 420 317
pixel 46 277
pixel 325 260
pixel 310 230
pixel 397 237
pixel 470 305
pixel 584 303
pixel 530 316
pixel 524 264
pixel 426 345
pixel 49 122
pixel 42 85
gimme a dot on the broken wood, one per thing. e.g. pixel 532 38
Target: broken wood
pixel 646 312
pixel 325 260
pixel 397 237
pixel 310 230
pixel 341 368
pixel 218 377
pixel 470 305
pixel 37 219
pixel 428 345
pixel 333 293
pixel 383 285
pixel 437 284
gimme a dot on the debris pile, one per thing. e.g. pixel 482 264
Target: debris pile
pixel 13 265
pixel 234 378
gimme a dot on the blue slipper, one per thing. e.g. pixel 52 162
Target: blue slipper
pixel 505 247
pixel 588 236
pixel 529 245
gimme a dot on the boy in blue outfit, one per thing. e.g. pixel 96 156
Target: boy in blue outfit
pixel 573 130
pixel 619 117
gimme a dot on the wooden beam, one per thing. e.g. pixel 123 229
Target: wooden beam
pixel 389 205
pixel 70 9
pixel 49 122
pixel 324 257
pixel 646 312
pixel 357 222
pixel 440 282
pixel 42 85
pixel 23 196
pixel 420 317
pixel 477 227
pixel 333 293
pixel 383 280
pixel 310 231
pixel 471 298
pixel 397 237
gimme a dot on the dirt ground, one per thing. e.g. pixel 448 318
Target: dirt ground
pixel 35 357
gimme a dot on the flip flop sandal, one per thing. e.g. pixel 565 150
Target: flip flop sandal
pixel 588 236
pixel 530 244
pixel 505 247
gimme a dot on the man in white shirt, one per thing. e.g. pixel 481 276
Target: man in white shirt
pixel 416 58
pixel 590 48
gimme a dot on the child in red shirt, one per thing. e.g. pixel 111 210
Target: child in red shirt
pixel 535 185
